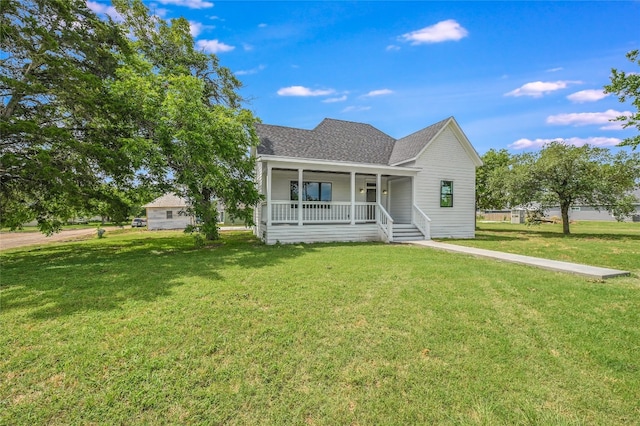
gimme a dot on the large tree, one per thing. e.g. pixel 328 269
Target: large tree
pixel 490 178
pixel 92 110
pixel 565 175
pixel 61 129
pixel 190 117
pixel 627 86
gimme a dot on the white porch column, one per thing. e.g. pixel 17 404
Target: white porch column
pixel 353 198
pixel 378 194
pixel 413 199
pixel 300 182
pixel 268 194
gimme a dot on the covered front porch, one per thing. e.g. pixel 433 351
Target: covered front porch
pixel 317 201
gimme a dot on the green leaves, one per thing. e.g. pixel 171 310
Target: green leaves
pixel 60 125
pixel 490 177
pixel 627 87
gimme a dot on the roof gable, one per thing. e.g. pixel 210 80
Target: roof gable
pixel 409 147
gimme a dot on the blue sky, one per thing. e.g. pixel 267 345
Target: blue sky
pixel 513 74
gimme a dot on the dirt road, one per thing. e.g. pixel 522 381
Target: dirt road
pixel 9 240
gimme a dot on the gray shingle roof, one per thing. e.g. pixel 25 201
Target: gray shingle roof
pixel 167 200
pixel 333 140
pixel 410 146
pixel 337 140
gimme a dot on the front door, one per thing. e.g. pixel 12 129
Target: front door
pixel 371 198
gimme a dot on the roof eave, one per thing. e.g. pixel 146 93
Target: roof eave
pixel 340 164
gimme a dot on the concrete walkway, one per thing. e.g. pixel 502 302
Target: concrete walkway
pixel 554 265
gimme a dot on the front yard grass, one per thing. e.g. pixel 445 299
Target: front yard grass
pixel 142 328
pixel 606 244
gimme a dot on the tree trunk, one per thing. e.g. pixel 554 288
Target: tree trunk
pixel 209 217
pixel 564 208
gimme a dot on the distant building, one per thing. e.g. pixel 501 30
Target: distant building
pixel 587 212
pixel 168 212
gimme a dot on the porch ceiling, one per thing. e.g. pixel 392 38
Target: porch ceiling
pixel 335 167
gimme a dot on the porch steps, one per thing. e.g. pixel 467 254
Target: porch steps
pixel 406 232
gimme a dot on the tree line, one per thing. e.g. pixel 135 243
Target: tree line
pixel 559 175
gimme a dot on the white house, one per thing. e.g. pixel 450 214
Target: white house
pixel 167 212
pixel 346 181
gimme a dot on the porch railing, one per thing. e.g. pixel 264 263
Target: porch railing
pixel 385 223
pixel 320 212
pixel 422 222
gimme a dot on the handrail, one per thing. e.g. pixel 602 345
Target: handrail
pixel 385 223
pixel 422 222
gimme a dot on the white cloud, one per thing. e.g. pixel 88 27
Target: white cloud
pixel 213 46
pixel 103 9
pixel 539 143
pixel 536 89
pixel 589 118
pixel 392 47
pixel 161 12
pixel 338 99
pixel 247 47
pixel 304 91
pixel 251 71
pixel 262 25
pixel 380 92
pixel 442 31
pixel 555 69
pixel 195 28
pixel 356 108
pixel 191 4
pixel 591 95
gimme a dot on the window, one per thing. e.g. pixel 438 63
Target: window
pixel 311 191
pixel 575 209
pixel 446 193
pixel 169 214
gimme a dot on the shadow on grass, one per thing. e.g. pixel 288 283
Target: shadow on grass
pixel 58 280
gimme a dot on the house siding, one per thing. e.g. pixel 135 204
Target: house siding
pixel 400 200
pixel 157 218
pixel 446 159
pixel 287 234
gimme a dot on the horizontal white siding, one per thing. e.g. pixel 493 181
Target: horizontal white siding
pixel 157 218
pixel 446 159
pixel 400 200
pixel 287 234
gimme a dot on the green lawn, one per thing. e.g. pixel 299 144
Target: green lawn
pixel 607 244
pixel 142 328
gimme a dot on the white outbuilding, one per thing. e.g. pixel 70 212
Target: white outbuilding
pixel 168 212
